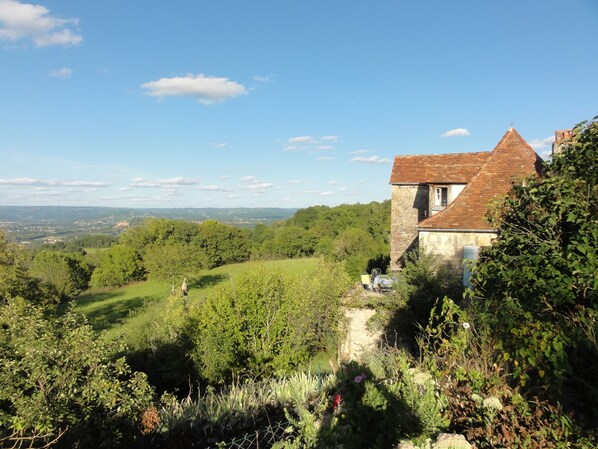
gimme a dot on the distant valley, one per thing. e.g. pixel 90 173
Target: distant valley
pixel 39 224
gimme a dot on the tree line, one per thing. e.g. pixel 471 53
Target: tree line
pixel 169 249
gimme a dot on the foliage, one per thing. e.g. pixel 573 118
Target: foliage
pixel 233 410
pixel 537 283
pixel 373 404
pixel 67 273
pixel 289 241
pixel 59 383
pixel 267 322
pixel 355 233
pixel 221 243
pixel 173 261
pixel 96 241
pixel 119 265
pixel 15 280
pixel 406 310
pixel 158 230
pixel 473 377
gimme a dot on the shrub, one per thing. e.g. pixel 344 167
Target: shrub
pixel 267 322
pixel 118 265
pixel 59 384
pixel 67 273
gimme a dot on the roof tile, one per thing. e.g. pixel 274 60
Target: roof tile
pixel 512 160
pixel 456 168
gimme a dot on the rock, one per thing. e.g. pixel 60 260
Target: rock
pixel 451 441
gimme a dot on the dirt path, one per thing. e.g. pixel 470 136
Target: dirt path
pixel 358 339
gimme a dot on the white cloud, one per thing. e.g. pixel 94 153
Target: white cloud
pixel 263 79
pixel 360 152
pixel 332 183
pixel 456 132
pixel 324 148
pixel 301 139
pixel 255 185
pixel 326 193
pixel 178 181
pixel 295 181
pixel 218 145
pixel 170 183
pixel 541 144
pixel 65 72
pixel 50 183
pixel 292 148
pixel 259 186
pixel 330 138
pixel 215 188
pixel 206 89
pixel 371 160
pixel 27 21
pixel 325 158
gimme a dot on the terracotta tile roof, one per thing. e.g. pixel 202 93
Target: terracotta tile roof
pixel 512 160
pixel 456 168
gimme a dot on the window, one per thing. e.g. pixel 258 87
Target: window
pixel 440 196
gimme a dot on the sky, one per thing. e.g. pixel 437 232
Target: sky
pixel 278 103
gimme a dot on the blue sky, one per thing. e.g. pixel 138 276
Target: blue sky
pixel 275 103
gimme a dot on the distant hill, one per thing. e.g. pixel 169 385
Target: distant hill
pixel 34 223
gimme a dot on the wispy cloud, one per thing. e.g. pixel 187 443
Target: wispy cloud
pixel 50 182
pixel 255 185
pixel 165 182
pixel 263 79
pixel 310 143
pixel 65 72
pixel 215 188
pixel 325 158
pixel 25 21
pixel 295 181
pixel 360 152
pixel 456 132
pixel 371 160
pixel 541 144
pixel 205 89
pixel 218 145
pixel 301 139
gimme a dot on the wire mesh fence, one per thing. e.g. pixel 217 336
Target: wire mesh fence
pixel 260 439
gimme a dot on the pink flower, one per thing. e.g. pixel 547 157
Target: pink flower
pixel 360 378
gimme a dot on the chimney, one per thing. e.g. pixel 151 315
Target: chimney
pixel 561 138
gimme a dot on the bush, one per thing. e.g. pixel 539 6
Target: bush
pixel 118 265
pixel 67 273
pixel 536 286
pixel 59 384
pixel 267 322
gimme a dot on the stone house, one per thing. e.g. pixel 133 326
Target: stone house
pixel 441 201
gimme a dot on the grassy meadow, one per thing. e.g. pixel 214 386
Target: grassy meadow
pixel 131 310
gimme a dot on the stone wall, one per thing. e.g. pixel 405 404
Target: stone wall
pixel 448 246
pixel 409 206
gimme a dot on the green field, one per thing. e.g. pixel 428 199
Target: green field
pixel 130 310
